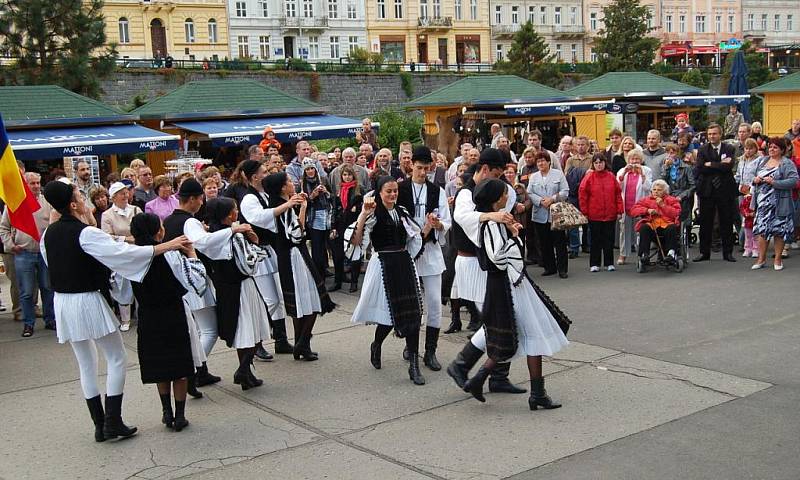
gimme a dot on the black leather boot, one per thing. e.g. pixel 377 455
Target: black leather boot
pixel 498 381
pixel 413 370
pixel 180 418
pixel 355 271
pixel 191 387
pixel 282 345
pixel 113 426
pixel 204 377
pixel 474 317
pixel 302 349
pixel 455 317
pixel 465 360
pixel 95 405
pixel 254 382
pixel 431 342
pixel 167 417
pixel 539 397
pixel 242 375
pixel 375 355
pixel 474 385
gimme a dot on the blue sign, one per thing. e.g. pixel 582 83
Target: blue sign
pixel 99 140
pixel 232 132
pixel 557 108
pixel 704 101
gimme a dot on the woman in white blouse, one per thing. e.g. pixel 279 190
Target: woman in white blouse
pixel 636 180
pixel 546 187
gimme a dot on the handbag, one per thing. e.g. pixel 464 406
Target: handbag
pixel 564 216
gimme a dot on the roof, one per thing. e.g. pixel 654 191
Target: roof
pixel 224 98
pixel 51 105
pixel 789 83
pixel 486 89
pixel 631 84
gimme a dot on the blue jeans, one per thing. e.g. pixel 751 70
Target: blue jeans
pixel 30 268
pixel 574 240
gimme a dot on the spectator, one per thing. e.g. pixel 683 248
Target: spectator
pixel 746 166
pixel 761 139
pixel 496 132
pixel 276 163
pixel 682 126
pixel 11 275
pixel 383 165
pixel 654 154
pixel 744 132
pixel 659 212
pixel 210 190
pixel 268 140
pixel 546 187
pixel 578 164
pixel 600 199
pixel 792 139
pixel 255 153
pixel 295 168
pixel 680 180
pixel 367 135
pixel 29 265
pixel 362 175
pixel 748 215
pixel 100 200
pixel 406 165
pixel 83 180
pixel 128 173
pixel 346 208
pixel 732 121
pixel 144 191
pixel 615 147
pixel 635 180
pixel 452 169
pixel 318 214
pixel 504 146
pixel 564 152
pixel 164 203
pixel 620 159
pixel 535 142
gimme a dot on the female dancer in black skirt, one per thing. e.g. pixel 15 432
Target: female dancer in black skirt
pixel 163 344
pixel 390 299
pixel 516 320
pixel 304 294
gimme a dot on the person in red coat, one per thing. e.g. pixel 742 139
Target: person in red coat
pixel 600 199
pixel 660 212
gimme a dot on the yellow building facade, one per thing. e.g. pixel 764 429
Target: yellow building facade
pixel 182 29
pixel 430 32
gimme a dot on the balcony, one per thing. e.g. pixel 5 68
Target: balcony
pixel 435 23
pixel 754 33
pixel 505 31
pixel 569 31
pixel 304 23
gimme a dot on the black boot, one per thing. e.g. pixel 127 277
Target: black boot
pixel 180 418
pixel 539 397
pixel 375 355
pixel 262 354
pixel 498 381
pixel 406 354
pixel 95 405
pixel 355 271
pixel 191 387
pixel 413 370
pixel 465 360
pixel 282 345
pixel 167 417
pixel 204 377
pixel 242 374
pixel 113 426
pixel 474 385
pixel 254 382
pixel 474 317
pixel 431 342
pixel 455 317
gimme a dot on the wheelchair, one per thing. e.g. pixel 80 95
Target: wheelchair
pixel 659 257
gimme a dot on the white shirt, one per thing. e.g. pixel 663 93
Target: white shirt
pixel 469 220
pixel 431 262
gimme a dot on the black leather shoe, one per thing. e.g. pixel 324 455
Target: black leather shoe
pixel 547 273
pixel 455 326
pixel 702 258
pixel 729 258
pixel 263 355
pixel 563 275
pixel 336 287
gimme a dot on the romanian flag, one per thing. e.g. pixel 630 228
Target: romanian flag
pixel 14 190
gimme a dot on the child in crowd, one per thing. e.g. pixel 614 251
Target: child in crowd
pixel 269 140
pixel 750 246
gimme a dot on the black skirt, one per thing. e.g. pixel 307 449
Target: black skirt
pixel 498 317
pixel 402 291
pixel 287 278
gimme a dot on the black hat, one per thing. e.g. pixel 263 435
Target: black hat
pixel 249 167
pixel 422 154
pixel 58 194
pixel 487 193
pixel 190 188
pixel 493 158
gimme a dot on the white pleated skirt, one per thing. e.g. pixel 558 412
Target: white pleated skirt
pixel 252 326
pixel 538 332
pixel 82 316
pixel 306 297
pixel 469 282
pixel 269 285
pixel 198 354
pixel 373 307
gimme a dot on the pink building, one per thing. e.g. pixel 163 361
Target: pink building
pixel 697 31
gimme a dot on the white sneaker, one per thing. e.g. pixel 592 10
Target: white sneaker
pixel 594 269
pixel 125 326
pixel 785 253
pixel 610 268
pixel 747 253
pixel 795 245
pixel 755 254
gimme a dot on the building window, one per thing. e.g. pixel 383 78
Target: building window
pixel 593 21
pixel 263 7
pixel 335 47
pixel 718 23
pixel 241 9
pixel 423 8
pixel 557 16
pixel 700 23
pixel 751 21
pixel 542 15
pixel 515 15
pixel 291 8
pixel 124 31
pixel 573 50
pixel 263 47
pixel 650 15
pixel 499 53
pixel 351 10
pixel 308 8
pixel 398 8
pixel 731 22
pixel 573 15
pixel 777 23
pixel 764 21
pixel 682 23
pixel 353 43
pixel 498 14
pixel 437 8
pixel 333 9
pixel 243 42
pixel 382 9
pixel 668 23
pixel 393 51
pixel 212 31
pixel 558 51
pixel 457 9
pixel 473 9
pixel 188 30
pixel 532 14
pixel 593 56
pixel 789 22
pixel 313 47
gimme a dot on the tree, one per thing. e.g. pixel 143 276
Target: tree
pixel 59 43
pixel 529 57
pixel 623 44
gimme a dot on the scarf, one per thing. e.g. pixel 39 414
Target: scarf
pixel 673 170
pixel 344 192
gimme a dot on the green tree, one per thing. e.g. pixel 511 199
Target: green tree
pixel 396 127
pixel 694 77
pixel 529 57
pixel 61 42
pixel 623 44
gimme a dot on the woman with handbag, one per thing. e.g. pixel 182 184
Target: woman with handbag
pixel 520 323
pixel 545 188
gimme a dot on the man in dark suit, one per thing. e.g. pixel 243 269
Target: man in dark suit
pixel 716 192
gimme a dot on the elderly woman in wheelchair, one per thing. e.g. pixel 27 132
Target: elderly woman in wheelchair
pixel 660 222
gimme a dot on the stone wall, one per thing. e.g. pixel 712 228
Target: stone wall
pixel 344 94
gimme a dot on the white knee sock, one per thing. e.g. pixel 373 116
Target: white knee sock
pixel 116 359
pixel 86 355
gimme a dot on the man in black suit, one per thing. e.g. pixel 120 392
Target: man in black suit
pixel 716 192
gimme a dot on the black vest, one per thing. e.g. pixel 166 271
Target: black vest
pixel 264 235
pixel 405 198
pixel 386 234
pixel 173 228
pixel 460 239
pixel 71 269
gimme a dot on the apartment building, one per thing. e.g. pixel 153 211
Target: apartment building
pixel 693 30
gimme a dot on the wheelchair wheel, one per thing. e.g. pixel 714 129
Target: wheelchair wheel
pixel 693 238
pixel 679 265
pixel 640 267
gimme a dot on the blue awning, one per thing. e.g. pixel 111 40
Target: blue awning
pixel 98 140
pixel 705 100
pixel 557 108
pixel 231 132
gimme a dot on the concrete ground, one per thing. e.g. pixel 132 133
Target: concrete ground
pixel 668 375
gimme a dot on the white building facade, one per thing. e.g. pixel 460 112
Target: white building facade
pixel 771 23
pixel 561 24
pixel 314 30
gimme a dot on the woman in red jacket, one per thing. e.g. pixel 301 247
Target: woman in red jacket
pixel 660 212
pixel 600 199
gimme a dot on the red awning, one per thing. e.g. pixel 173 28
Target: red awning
pixel 673 51
pixel 705 50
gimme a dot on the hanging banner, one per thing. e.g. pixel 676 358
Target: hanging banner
pixel 705 100
pixel 557 108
